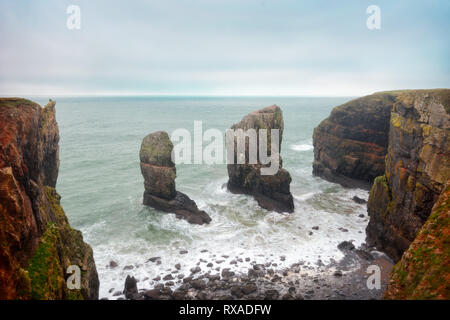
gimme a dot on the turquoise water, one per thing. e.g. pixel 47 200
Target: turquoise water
pixel 101 187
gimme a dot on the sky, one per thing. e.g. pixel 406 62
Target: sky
pixel 222 47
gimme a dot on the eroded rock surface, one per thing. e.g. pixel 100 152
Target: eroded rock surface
pixel 351 144
pixel 272 191
pixel 159 180
pixel 417 169
pixel 38 243
pixel 424 270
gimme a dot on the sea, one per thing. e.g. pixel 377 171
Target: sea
pixel 102 190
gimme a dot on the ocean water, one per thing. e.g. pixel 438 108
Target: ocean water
pixel 101 187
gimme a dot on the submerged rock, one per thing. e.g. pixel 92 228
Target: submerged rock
pixel 272 192
pixel 159 180
pixel 358 200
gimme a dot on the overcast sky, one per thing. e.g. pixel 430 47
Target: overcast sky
pixel 223 47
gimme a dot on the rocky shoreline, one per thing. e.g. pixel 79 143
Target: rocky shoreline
pixel 345 279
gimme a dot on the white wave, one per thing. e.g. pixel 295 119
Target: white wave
pixel 301 147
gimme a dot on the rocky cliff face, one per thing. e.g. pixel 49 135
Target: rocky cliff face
pixel 37 242
pixel 424 270
pixel 411 184
pixel 159 175
pixel 416 171
pixel 271 191
pixel 351 144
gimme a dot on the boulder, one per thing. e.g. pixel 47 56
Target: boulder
pixel 159 174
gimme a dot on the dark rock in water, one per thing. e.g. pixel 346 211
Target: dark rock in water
pixel 159 180
pixel 346 245
pixel 187 279
pixel 156 278
pixel 358 200
pixel 196 270
pixel 272 192
pixel 154 259
pixel 129 267
pixel 315 228
pixel 183 251
pixel 168 277
pixel 113 264
pixel 178 266
pixel 130 287
pixel 210 264
pixel 361 216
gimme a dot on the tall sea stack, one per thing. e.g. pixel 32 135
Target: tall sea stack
pixel 272 192
pixel 38 244
pixel 159 175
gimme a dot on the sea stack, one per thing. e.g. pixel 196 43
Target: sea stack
pixel 159 180
pixel 272 191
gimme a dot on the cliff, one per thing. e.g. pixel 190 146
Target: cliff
pixel 37 242
pixel 403 137
pixel 351 144
pixel 417 167
pixel 424 270
pixel 271 191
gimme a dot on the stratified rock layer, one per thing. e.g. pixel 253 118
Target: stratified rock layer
pixel 38 243
pixel 159 180
pixel 424 270
pixel 416 171
pixel 272 192
pixel 350 145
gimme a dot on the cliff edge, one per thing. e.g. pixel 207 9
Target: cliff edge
pixel 37 242
pixel 417 168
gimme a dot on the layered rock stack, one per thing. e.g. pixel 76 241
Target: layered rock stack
pixel 38 244
pixel 272 191
pixel 417 169
pixel 159 180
